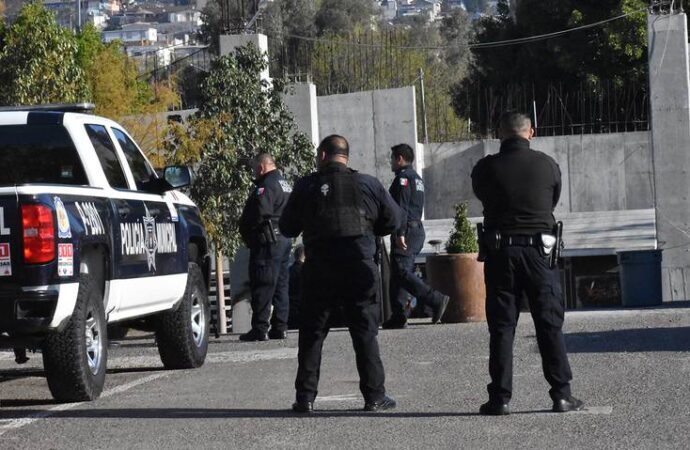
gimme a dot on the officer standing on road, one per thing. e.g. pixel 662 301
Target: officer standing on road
pixel 519 189
pixel 406 243
pixel 269 251
pixel 340 212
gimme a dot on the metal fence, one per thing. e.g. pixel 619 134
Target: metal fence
pixel 589 108
pixel 389 58
pixel 185 71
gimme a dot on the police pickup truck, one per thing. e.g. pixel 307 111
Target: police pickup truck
pixel 90 235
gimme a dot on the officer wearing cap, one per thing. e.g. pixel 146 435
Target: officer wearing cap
pixel 519 189
pixel 339 212
pixel 407 190
pixel 269 251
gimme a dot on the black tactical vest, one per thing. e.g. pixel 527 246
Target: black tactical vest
pixel 339 209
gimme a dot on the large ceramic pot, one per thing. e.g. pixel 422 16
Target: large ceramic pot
pixel 461 277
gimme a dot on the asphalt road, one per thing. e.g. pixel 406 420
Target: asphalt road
pixel 631 367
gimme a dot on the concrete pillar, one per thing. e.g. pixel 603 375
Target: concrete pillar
pixel 302 103
pixel 241 294
pixel 239 275
pixel 229 42
pixel 670 123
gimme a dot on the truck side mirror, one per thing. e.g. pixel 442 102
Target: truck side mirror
pixel 177 176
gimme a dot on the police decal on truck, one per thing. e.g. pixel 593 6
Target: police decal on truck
pixel 64 230
pixel 148 238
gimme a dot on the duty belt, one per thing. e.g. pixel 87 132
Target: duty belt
pixel 520 240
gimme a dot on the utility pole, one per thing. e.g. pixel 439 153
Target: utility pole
pixel 78 16
pixel 424 123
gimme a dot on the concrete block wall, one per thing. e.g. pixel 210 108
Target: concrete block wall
pixel 302 102
pixel 372 122
pixel 669 79
pixel 602 172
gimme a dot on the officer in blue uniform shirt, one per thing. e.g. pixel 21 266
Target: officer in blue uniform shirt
pixel 269 251
pixel 339 212
pixel 407 190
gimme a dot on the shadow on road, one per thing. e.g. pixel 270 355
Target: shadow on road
pixel 632 340
pixel 14 374
pixel 182 413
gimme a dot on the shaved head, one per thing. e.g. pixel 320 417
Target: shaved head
pixel 262 164
pixel 513 124
pixel 335 145
pixel 264 158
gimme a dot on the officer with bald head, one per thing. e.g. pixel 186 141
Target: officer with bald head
pixel 519 188
pixel 339 213
pixel 269 251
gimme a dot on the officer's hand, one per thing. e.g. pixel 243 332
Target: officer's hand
pixel 401 242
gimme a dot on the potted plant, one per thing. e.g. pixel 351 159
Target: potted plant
pixel 458 274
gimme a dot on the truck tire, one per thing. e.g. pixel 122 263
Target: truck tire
pixel 182 334
pixel 75 359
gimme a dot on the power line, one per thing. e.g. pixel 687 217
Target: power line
pixel 480 45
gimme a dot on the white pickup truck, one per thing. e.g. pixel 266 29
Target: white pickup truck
pixel 90 235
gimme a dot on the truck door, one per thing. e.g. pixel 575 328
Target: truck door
pixel 161 220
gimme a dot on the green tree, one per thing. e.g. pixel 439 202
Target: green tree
pixel 240 116
pixel 614 52
pixel 282 22
pixel 462 238
pixel 212 24
pixel 118 94
pixel 39 61
pixel 344 16
pixel 456 32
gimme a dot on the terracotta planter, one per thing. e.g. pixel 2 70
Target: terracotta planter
pixel 461 277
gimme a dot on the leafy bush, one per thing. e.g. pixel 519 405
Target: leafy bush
pixel 462 239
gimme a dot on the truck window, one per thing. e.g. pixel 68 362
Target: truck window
pixel 39 154
pixel 105 149
pixel 141 170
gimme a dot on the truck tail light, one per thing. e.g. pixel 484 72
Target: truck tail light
pixel 39 234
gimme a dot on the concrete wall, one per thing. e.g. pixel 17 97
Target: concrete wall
pixel 670 111
pixel 372 122
pixel 229 42
pixel 302 102
pixel 600 172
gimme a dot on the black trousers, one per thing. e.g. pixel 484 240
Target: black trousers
pixel 403 279
pixel 268 280
pixel 509 272
pixel 327 285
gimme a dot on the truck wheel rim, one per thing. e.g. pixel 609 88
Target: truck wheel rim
pixel 94 343
pixel 198 319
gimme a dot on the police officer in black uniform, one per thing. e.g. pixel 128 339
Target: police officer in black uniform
pixel 340 212
pixel 269 251
pixel 407 190
pixel 519 189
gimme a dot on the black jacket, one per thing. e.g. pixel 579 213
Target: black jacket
pixel 518 187
pixel 407 190
pixel 378 204
pixel 266 201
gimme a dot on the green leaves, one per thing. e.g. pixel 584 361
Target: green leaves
pixel 39 61
pixel 241 116
pixel 462 239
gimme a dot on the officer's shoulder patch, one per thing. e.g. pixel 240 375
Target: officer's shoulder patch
pixel 260 191
pixel 285 186
pixel 404 181
pixel 419 185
